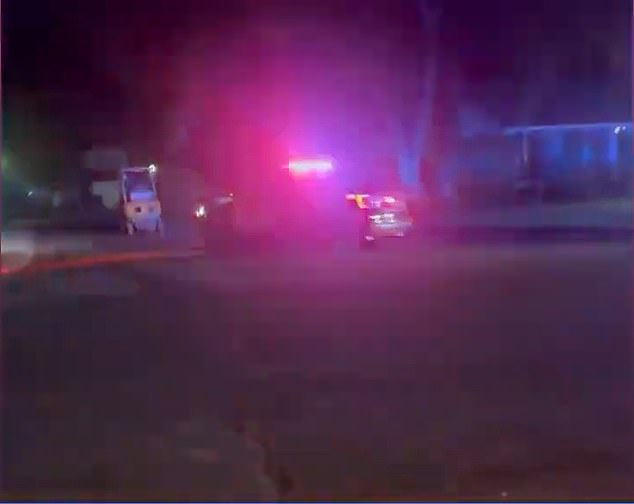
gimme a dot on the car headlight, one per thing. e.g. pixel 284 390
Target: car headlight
pixel 200 212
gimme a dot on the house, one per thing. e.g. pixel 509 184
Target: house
pixel 591 159
pixel 567 161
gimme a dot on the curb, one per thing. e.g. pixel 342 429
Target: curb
pixel 557 233
pixel 77 261
pixel 83 259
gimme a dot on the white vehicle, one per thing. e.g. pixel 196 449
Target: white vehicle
pixel 140 202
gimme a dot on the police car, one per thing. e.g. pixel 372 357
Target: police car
pixel 384 215
pixel 312 207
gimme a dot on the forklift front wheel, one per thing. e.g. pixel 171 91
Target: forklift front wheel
pixel 160 227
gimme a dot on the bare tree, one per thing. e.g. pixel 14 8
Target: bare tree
pixel 39 145
pixel 539 60
pixel 430 14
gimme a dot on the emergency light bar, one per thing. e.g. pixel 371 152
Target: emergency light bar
pixel 305 166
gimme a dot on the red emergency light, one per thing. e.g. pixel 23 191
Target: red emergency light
pixel 307 166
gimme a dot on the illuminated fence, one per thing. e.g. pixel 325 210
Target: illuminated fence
pixel 579 159
pixel 570 162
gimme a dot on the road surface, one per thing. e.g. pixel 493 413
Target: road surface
pixel 441 371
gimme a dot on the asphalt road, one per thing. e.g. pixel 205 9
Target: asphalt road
pixel 442 371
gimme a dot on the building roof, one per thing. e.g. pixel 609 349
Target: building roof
pixel 615 126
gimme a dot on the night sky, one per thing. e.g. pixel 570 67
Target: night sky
pixel 96 65
pixel 54 42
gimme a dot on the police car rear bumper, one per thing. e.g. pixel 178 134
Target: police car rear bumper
pixel 392 229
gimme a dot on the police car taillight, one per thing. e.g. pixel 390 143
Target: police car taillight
pixel 361 200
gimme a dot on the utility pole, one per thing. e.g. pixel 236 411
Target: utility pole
pixel 2 161
pixel 430 12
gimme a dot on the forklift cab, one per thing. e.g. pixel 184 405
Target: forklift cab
pixel 141 206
